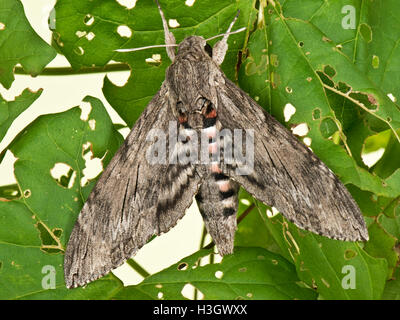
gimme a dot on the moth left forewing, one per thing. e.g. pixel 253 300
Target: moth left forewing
pixel 132 200
pixel 286 174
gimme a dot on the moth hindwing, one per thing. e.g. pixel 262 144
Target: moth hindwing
pixel 190 141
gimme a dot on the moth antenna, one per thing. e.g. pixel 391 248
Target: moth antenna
pixel 228 32
pixel 148 47
pixel 169 37
pixel 223 34
pixel 221 46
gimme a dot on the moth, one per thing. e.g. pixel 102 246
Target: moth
pixel 135 198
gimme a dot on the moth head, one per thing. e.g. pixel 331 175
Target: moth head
pixel 195 45
pixel 198 115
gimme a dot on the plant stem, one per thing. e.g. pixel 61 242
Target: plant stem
pixel 68 71
pixel 137 267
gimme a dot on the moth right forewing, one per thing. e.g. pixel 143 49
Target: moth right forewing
pixel 287 175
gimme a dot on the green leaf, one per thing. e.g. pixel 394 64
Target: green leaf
pixel 382 245
pixel 10 110
pixel 76 19
pixel 324 264
pixel 250 273
pixel 392 288
pixel 34 229
pixel 19 43
pixel 294 42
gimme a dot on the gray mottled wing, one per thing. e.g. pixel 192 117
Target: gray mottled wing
pixel 287 175
pixel 131 201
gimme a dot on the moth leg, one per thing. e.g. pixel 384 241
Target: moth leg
pixel 169 37
pixel 218 203
pixel 220 48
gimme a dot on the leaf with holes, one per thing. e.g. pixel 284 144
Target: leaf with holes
pixel 328 92
pixel 336 269
pixel 10 110
pixel 35 228
pixel 89 33
pixel 250 273
pixel 19 43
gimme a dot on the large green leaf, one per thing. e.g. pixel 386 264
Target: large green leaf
pixel 250 273
pixel 328 265
pixel 19 43
pixel 10 110
pixel 34 229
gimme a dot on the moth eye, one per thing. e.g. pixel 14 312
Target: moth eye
pixel 182 116
pixel 208 109
pixel 208 49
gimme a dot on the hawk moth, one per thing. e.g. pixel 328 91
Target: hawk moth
pixel 135 199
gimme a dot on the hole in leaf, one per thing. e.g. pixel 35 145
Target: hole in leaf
pixel 309 79
pixel 373 157
pixel 2 26
pixel 342 87
pixel 92 124
pixel 155 60
pixel 288 111
pixel 86 108
pixel 80 34
pixel 289 90
pixel 173 23
pixel 249 295
pixel 189 3
pixel 239 298
pixel 188 292
pixel 49 243
pixel 301 129
pixel 366 32
pixel 301 44
pixel 368 100
pixel 63 174
pixel 124 31
pixel 27 193
pixel 307 141
pixel 392 97
pixel 129 4
pixel 275 262
pixel 160 295
pixel 375 62
pixel 90 36
pixel 349 254
pixel 328 127
pixel 316 114
pixel 93 166
pixel 325 79
pixel 274 60
pixel 183 266
pixel 329 71
pixel 158 286
pixel 219 274
pixel 326 39
pixel 79 51
pixel 88 19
